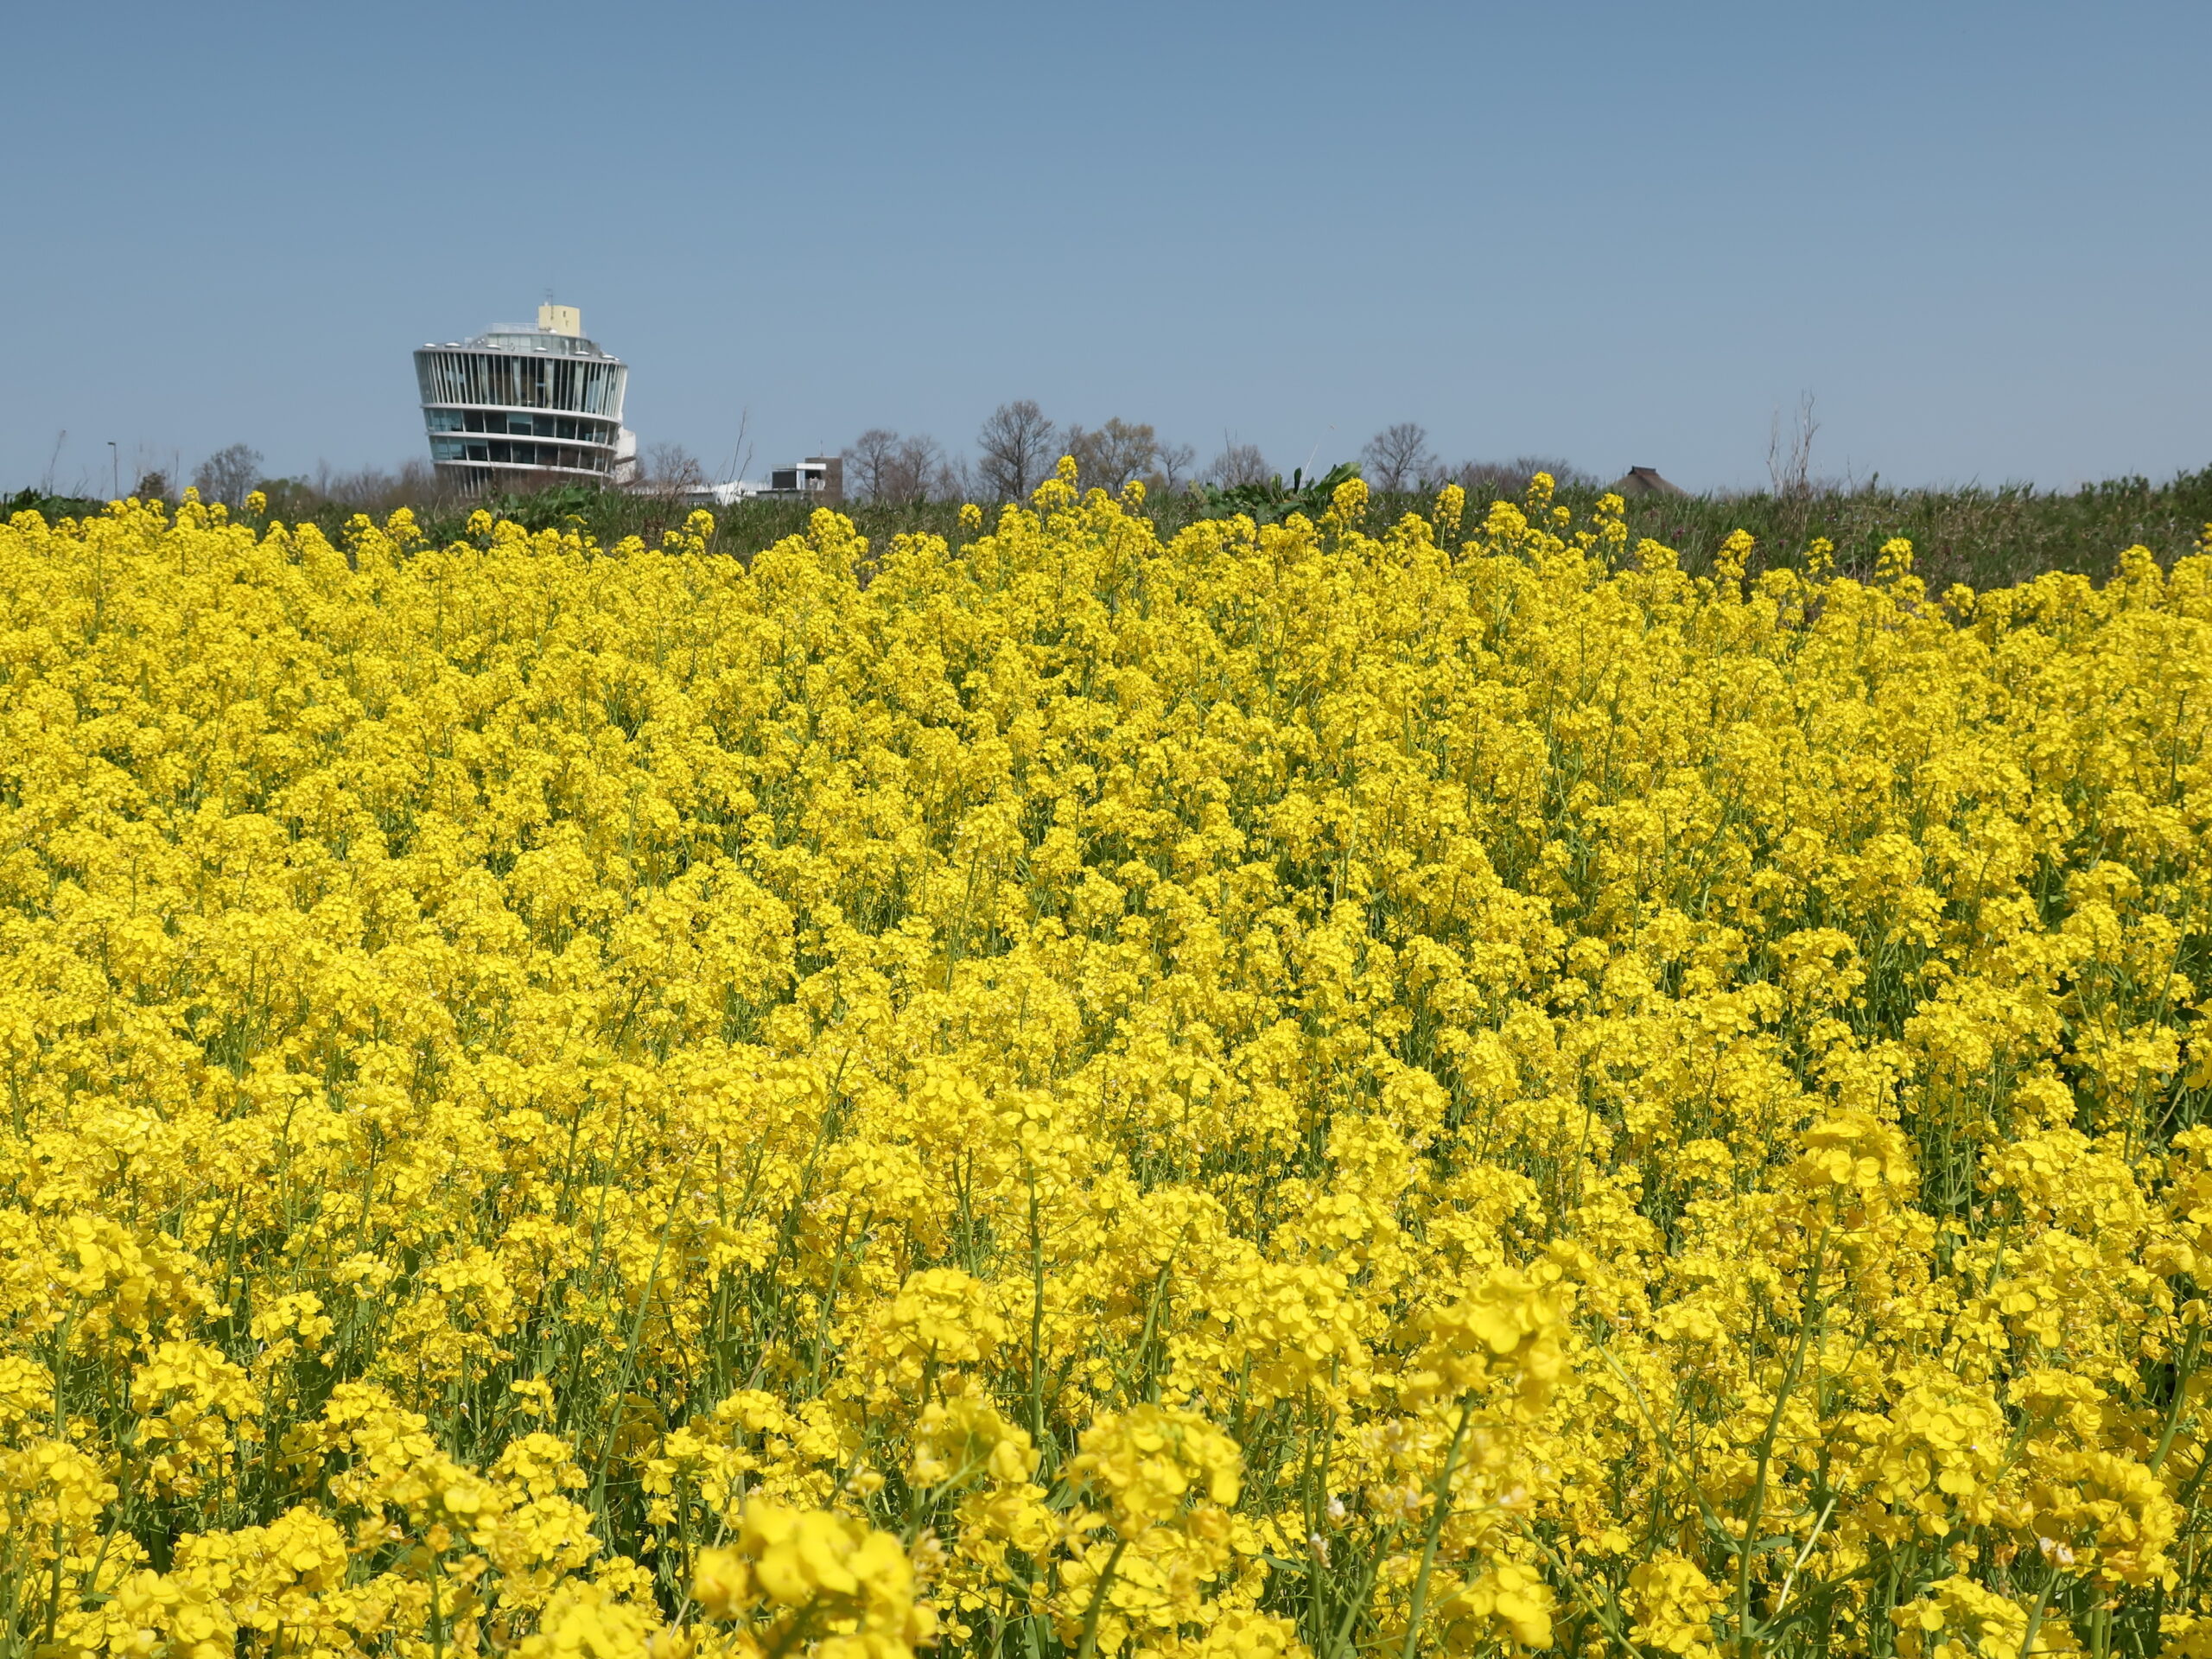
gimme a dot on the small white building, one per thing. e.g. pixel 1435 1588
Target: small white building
pixel 817 475
pixel 818 478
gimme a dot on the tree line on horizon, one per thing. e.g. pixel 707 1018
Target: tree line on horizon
pixel 1017 447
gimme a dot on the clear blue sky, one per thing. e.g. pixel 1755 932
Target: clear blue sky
pixel 1620 233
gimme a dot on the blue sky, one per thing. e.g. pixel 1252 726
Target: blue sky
pixel 1621 234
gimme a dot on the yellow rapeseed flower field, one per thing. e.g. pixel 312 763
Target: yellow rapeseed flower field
pixel 1325 1090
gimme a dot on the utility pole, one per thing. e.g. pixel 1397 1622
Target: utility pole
pixel 115 470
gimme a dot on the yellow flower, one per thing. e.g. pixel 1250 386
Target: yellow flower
pixel 1149 1462
pixel 1237 1091
pixel 820 1574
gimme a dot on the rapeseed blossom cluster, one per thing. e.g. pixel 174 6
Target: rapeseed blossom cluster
pixel 1325 1089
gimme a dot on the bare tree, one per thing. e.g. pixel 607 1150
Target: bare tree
pixel 953 480
pixel 1109 457
pixel 741 453
pixel 671 470
pixel 1172 463
pixel 1017 450
pixel 1790 456
pixel 870 457
pixel 1237 463
pixel 1509 479
pixel 228 474
pixel 373 489
pixel 1398 457
pixel 361 488
pixel 419 480
pixel 880 465
pixel 915 472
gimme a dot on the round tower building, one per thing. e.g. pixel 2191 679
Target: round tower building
pixel 517 401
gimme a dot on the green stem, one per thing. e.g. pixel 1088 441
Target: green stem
pixel 1766 1446
pixel 2034 1617
pixel 1098 1603
pixel 1436 1516
pixel 2182 1374
pixel 1036 1321
pixel 629 1349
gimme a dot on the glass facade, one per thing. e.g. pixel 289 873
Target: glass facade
pixel 481 396
pixel 535 457
pixel 507 422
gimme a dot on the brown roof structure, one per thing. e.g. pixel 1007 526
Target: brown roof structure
pixel 1645 480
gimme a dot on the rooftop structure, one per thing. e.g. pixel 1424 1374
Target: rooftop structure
pixel 517 401
pixel 1645 480
pixel 817 475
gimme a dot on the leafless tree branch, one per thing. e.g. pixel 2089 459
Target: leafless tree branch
pixel 1398 457
pixel 1016 450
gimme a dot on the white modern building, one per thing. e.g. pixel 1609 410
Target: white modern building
pixel 537 400
pixel 818 478
pixel 817 475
